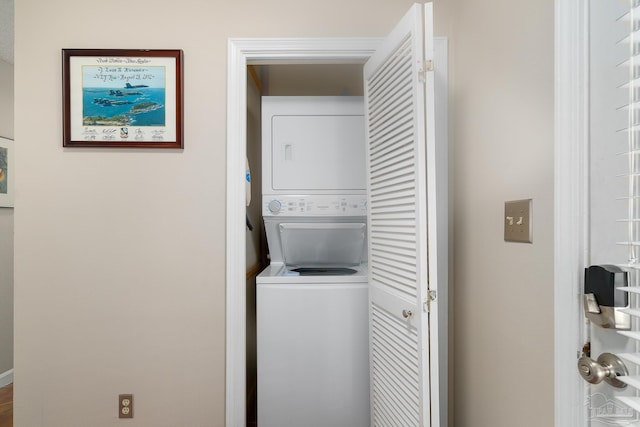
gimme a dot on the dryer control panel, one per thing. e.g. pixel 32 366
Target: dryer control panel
pixel 287 205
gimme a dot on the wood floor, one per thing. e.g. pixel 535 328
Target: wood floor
pixel 6 406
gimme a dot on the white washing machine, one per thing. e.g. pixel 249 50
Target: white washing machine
pixel 312 300
pixel 312 324
pixel 313 352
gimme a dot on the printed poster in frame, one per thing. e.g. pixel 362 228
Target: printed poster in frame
pixel 122 98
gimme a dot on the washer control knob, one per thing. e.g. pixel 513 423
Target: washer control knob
pixel 274 206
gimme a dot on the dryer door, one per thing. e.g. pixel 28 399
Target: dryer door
pixel 313 145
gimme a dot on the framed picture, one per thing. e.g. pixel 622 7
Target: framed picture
pixel 7 166
pixel 122 98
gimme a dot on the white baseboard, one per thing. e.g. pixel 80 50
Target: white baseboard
pixel 6 378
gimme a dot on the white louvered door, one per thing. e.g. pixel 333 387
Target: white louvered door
pixel 631 180
pixel 614 192
pixel 399 96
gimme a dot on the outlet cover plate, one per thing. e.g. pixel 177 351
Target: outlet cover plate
pixel 125 406
pixel 517 221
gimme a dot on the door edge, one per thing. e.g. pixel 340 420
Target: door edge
pixel 571 139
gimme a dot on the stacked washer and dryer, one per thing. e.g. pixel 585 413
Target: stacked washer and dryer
pixel 312 300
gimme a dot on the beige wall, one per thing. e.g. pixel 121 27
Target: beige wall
pixel 313 80
pixel 6 229
pixel 119 255
pixel 503 298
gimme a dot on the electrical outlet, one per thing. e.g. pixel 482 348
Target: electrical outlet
pixel 517 221
pixel 125 406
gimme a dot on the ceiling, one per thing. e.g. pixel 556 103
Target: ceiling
pixel 6 30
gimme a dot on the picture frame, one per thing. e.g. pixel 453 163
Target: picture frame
pixel 7 168
pixel 123 98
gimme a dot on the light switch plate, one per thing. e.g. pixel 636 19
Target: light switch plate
pixel 517 221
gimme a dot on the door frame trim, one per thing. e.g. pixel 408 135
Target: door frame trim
pixel 243 52
pixel 571 205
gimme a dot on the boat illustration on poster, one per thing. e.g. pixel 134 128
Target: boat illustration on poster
pixel 123 95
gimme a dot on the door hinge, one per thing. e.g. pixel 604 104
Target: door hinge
pixel 432 296
pixel 425 67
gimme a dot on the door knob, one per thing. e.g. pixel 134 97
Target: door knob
pixel 608 367
pixel 406 313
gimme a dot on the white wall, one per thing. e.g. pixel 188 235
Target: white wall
pixel 6 229
pixel 503 296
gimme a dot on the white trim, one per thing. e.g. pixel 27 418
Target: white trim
pixel 441 65
pixel 571 204
pixel 6 378
pixel 242 52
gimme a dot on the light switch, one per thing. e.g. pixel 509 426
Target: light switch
pixel 517 221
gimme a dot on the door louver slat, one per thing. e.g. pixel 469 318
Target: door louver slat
pixel 393 201
pixel 402 183
pixel 393 285
pixel 387 139
pixel 631 312
pixel 382 78
pixel 391 250
pixel 402 154
pixel 389 144
pixel 633 402
pixel 630 334
pixel 631 357
pixel 632 381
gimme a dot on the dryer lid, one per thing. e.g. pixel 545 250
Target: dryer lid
pixel 322 244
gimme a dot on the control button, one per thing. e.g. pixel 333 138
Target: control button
pixel 274 206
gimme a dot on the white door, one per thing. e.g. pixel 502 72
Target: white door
pixel 400 119
pixel 613 213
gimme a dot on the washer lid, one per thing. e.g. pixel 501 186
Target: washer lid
pixel 322 244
